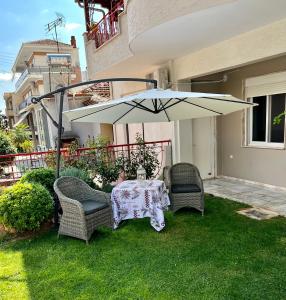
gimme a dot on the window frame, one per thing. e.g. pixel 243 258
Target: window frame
pixel 267 143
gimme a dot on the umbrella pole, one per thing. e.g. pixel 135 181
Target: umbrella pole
pixel 60 131
pixel 59 145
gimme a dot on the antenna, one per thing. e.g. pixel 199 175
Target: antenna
pixel 59 21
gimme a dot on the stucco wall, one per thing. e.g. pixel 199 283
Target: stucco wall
pixel 253 46
pixel 161 11
pixel 85 130
pixel 256 164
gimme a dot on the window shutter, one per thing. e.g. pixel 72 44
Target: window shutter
pixel 270 84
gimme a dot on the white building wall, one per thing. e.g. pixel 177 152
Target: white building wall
pixel 40 60
pixel 85 130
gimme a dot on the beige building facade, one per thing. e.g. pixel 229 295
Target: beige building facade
pixel 45 65
pixel 9 108
pixel 234 47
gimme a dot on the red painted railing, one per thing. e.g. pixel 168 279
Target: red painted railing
pixel 13 166
pixel 107 27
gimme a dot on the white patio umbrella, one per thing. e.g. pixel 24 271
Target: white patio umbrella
pixel 158 106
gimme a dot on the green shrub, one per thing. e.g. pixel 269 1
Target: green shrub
pixel 46 177
pixel 24 206
pixel 107 188
pixel 98 142
pixel 145 155
pixel 108 171
pixel 27 146
pixel 6 146
pixel 50 159
pixel 79 173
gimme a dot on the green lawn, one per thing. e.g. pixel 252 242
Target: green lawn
pixel 222 255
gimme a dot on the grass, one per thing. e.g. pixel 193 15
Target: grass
pixel 222 255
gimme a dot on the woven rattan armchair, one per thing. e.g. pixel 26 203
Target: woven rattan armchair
pixel 84 209
pixel 185 186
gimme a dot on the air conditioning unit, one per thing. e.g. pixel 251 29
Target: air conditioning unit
pixel 162 77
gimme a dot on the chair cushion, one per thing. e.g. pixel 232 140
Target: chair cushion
pixel 91 206
pixel 185 188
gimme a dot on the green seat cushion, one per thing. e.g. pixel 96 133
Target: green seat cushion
pixel 91 206
pixel 185 188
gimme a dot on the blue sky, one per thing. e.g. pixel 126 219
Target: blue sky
pixel 24 20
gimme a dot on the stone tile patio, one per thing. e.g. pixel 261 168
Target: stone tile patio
pixel 249 193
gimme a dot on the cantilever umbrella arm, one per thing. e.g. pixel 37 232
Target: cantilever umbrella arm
pixel 62 91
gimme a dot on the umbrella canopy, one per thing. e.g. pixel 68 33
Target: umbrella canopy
pixel 158 106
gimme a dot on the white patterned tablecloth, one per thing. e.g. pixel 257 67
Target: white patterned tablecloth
pixel 132 200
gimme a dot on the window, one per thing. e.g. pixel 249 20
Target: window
pixel 262 131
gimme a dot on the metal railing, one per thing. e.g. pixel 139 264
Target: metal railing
pixel 40 70
pixel 107 27
pixel 26 102
pixel 13 166
pixel 21 78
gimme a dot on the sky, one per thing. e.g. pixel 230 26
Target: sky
pixel 24 21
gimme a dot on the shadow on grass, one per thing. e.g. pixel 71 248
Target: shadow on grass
pixel 222 255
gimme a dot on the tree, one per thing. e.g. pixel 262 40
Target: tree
pixel 19 136
pixel 3 121
pixel 6 146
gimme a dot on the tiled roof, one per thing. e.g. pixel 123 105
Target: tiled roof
pixel 47 42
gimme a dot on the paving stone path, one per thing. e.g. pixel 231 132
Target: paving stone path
pixel 250 193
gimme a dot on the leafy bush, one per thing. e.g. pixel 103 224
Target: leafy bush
pixel 24 206
pixel 98 142
pixel 107 171
pixel 81 174
pixel 107 188
pixel 27 146
pixel 145 155
pixel 46 177
pixel 6 146
pixel 74 160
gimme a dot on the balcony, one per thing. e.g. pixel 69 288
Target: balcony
pixel 37 70
pixel 25 103
pixel 9 112
pixel 108 27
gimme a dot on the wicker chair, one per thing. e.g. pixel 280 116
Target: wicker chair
pixel 84 209
pixel 185 186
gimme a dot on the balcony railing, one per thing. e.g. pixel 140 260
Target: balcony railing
pixel 26 102
pixel 41 70
pixel 13 166
pixel 107 27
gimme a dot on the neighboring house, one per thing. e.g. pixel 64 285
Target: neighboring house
pixel 236 47
pixel 44 66
pixel 9 108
